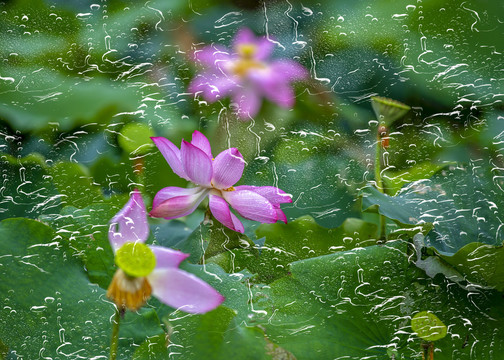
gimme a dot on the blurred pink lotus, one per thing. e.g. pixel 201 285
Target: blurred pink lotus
pixel 246 75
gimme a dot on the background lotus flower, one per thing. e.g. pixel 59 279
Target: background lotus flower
pixel 152 269
pixel 214 179
pixel 246 74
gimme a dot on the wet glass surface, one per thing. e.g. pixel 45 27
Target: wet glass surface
pixel 375 129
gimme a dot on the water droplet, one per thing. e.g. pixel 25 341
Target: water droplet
pixel 38 308
pixel 306 11
pixel 83 15
pixel 399 16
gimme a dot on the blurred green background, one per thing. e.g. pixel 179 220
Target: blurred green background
pixel 76 75
pixel 84 84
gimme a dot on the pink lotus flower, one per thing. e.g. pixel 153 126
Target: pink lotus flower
pixel 246 74
pixel 143 269
pixel 214 179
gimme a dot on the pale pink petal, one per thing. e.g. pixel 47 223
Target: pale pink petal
pixel 273 194
pixel 289 69
pixel 196 164
pixel 174 202
pixel 201 142
pixel 282 95
pixel 264 48
pixel 274 86
pixel 184 291
pixel 243 36
pixel 280 214
pixel 248 100
pixel 130 223
pixel 220 210
pixel 172 155
pixel 166 257
pixel 212 86
pixel 171 192
pixel 251 205
pixel 210 56
pixel 227 168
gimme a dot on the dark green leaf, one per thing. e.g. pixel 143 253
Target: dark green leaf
pixel 74 184
pixel 480 263
pixel 27 189
pixel 395 180
pixel 46 97
pixel 154 348
pixel 303 238
pixel 113 174
pixel 86 231
pixel 49 308
pixel 212 238
pixel 460 202
pixel 358 304
pixel 229 331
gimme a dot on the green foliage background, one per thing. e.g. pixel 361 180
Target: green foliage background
pixel 83 85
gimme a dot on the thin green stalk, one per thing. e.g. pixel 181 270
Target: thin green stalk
pixel 207 221
pixel 114 342
pixel 379 185
pixel 428 351
pixel 383 227
pixel 377 165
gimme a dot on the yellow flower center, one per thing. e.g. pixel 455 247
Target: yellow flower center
pixel 128 292
pixel 135 259
pixel 246 62
pixel 247 50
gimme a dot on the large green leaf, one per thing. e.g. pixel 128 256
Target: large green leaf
pixel 86 232
pixel 480 263
pixel 324 307
pixel 301 239
pixel 358 304
pixel 229 331
pixel 49 307
pixel 74 184
pixel 217 335
pixel 39 97
pixel 211 238
pixel 27 189
pixel 460 202
pixel 395 179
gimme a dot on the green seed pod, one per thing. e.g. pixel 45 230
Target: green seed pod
pixel 428 326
